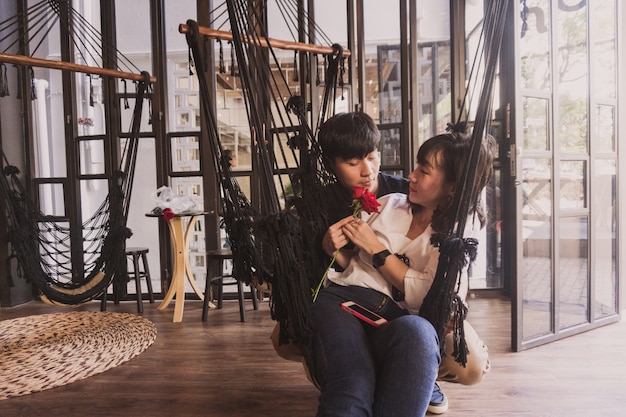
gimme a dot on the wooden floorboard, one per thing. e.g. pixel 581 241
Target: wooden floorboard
pixel 225 368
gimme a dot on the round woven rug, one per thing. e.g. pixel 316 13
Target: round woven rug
pixel 49 350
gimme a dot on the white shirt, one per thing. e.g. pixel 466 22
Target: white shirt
pixel 391 225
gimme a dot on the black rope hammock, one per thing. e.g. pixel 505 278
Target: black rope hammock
pixel 43 243
pixel 442 300
pixel 272 244
pixel 276 244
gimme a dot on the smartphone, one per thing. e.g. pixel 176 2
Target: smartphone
pixel 363 313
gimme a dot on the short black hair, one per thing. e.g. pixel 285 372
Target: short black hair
pixel 348 135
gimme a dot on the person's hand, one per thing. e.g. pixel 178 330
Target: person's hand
pixel 362 235
pixel 335 238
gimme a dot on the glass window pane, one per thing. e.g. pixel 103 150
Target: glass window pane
pixel 127 107
pixel 605 240
pixel 134 37
pixel 382 61
pixel 603 56
pixel 536 125
pixel 390 154
pixel 573 271
pixel 536 188
pixel 535 46
pixel 571 38
pixel 185 153
pixel 48 123
pixel 434 82
pixel 573 191
pixel 177 12
pixel 90 105
pixel 93 194
pixel 604 129
pixel 475 65
pixel 87 51
pixel 145 229
pixel 536 273
pixel 435 87
pixel 536 268
pixel 91 157
pixel 387 86
pixel 51 199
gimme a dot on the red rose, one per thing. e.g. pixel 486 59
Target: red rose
pixel 357 192
pixel 366 200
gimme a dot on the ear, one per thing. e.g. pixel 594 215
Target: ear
pixel 451 187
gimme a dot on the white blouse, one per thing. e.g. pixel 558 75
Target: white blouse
pixel 391 225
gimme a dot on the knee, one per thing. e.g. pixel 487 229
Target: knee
pixel 472 373
pixel 415 332
pixel 287 351
pixel 477 360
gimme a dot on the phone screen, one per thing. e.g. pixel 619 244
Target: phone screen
pixel 367 313
pixel 363 313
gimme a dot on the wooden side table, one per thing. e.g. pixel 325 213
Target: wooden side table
pixel 180 234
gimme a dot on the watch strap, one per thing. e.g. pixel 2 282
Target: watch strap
pixel 379 258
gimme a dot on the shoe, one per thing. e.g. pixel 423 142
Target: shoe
pixel 438 401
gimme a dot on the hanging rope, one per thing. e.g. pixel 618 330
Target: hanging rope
pixel 295 77
pixel 33 89
pixel 221 59
pixel 4 83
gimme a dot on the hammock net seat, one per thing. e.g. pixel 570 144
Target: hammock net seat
pixel 69 265
pixel 270 243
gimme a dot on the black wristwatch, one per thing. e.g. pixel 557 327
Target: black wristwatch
pixel 378 259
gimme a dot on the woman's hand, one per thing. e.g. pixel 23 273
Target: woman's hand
pixel 362 235
pixel 335 238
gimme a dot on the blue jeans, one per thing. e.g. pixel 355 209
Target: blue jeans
pixel 367 371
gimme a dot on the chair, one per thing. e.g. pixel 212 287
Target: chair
pixel 136 273
pixel 215 262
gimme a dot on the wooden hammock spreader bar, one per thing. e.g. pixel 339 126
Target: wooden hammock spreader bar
pixel 70 66
pixel 274 43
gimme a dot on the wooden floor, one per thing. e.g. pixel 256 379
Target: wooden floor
pixel 227 368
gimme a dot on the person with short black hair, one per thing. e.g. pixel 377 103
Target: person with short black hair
pixel 350 148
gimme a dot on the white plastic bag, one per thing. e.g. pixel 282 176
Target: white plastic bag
pixel 164 198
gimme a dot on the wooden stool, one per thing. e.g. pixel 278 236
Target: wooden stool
pixel 136 273
pixel 215 262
